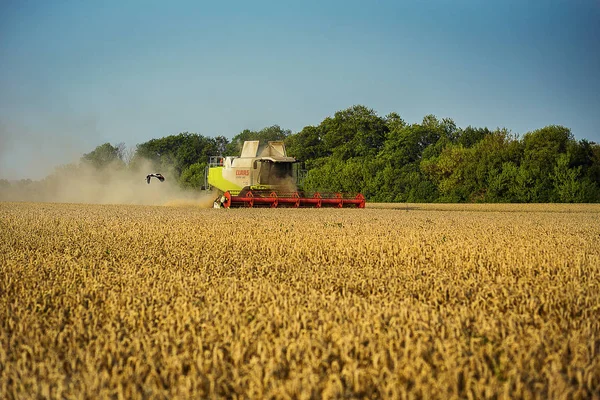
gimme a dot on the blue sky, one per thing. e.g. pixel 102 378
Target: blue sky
pixel 76 74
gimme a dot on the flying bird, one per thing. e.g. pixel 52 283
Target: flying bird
pixel 157 176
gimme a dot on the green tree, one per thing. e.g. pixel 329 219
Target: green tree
pixel 570 186
pixel 566 184
pixel 542 148
pixel 404 183
pixel 502 184
pixel 193 176
pixel 394 121
pixel 469 136
pixel 466 174
pixel 451 172
pixel 324 177
pixel 221 143
pixel 399 176
pixel 270 133
pixel 389 160
pixel 103 156
pixel 405 145
pixel 586 155
pixel 177 152
pixel 306 145
pixel 349 176
pixel 354 132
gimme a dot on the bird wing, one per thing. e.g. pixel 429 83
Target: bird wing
pixel 157 176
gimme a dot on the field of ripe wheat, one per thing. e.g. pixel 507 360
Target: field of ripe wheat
pixel 409 301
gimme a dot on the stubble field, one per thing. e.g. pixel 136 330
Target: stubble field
pixel 404 301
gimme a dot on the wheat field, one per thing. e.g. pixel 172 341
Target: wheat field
pixel 392 301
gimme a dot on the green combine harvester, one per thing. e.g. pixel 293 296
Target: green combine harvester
pixel 264 176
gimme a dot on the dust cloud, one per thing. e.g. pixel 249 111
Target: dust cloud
pixel 31 149
pixel 113 184
pixel 285 185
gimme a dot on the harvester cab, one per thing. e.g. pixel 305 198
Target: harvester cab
pixel 264 176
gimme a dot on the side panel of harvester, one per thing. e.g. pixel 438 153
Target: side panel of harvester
pixel 217 179
pixel 228 177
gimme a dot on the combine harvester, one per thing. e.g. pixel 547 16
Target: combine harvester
pixel 264 176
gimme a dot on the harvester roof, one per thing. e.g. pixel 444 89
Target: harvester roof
pixel 272 151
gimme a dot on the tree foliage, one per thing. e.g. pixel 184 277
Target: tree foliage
pixel 105 155
pixel 193 176
pixel 177 152
pixel 388 159
pixel 271 133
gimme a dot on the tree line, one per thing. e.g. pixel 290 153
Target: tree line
pixel 390 160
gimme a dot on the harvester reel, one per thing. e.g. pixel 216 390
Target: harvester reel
pixel 273 199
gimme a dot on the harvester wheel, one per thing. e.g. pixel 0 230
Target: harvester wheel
pixel 226 200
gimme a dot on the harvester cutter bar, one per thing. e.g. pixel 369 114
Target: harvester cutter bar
pixel 294 199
